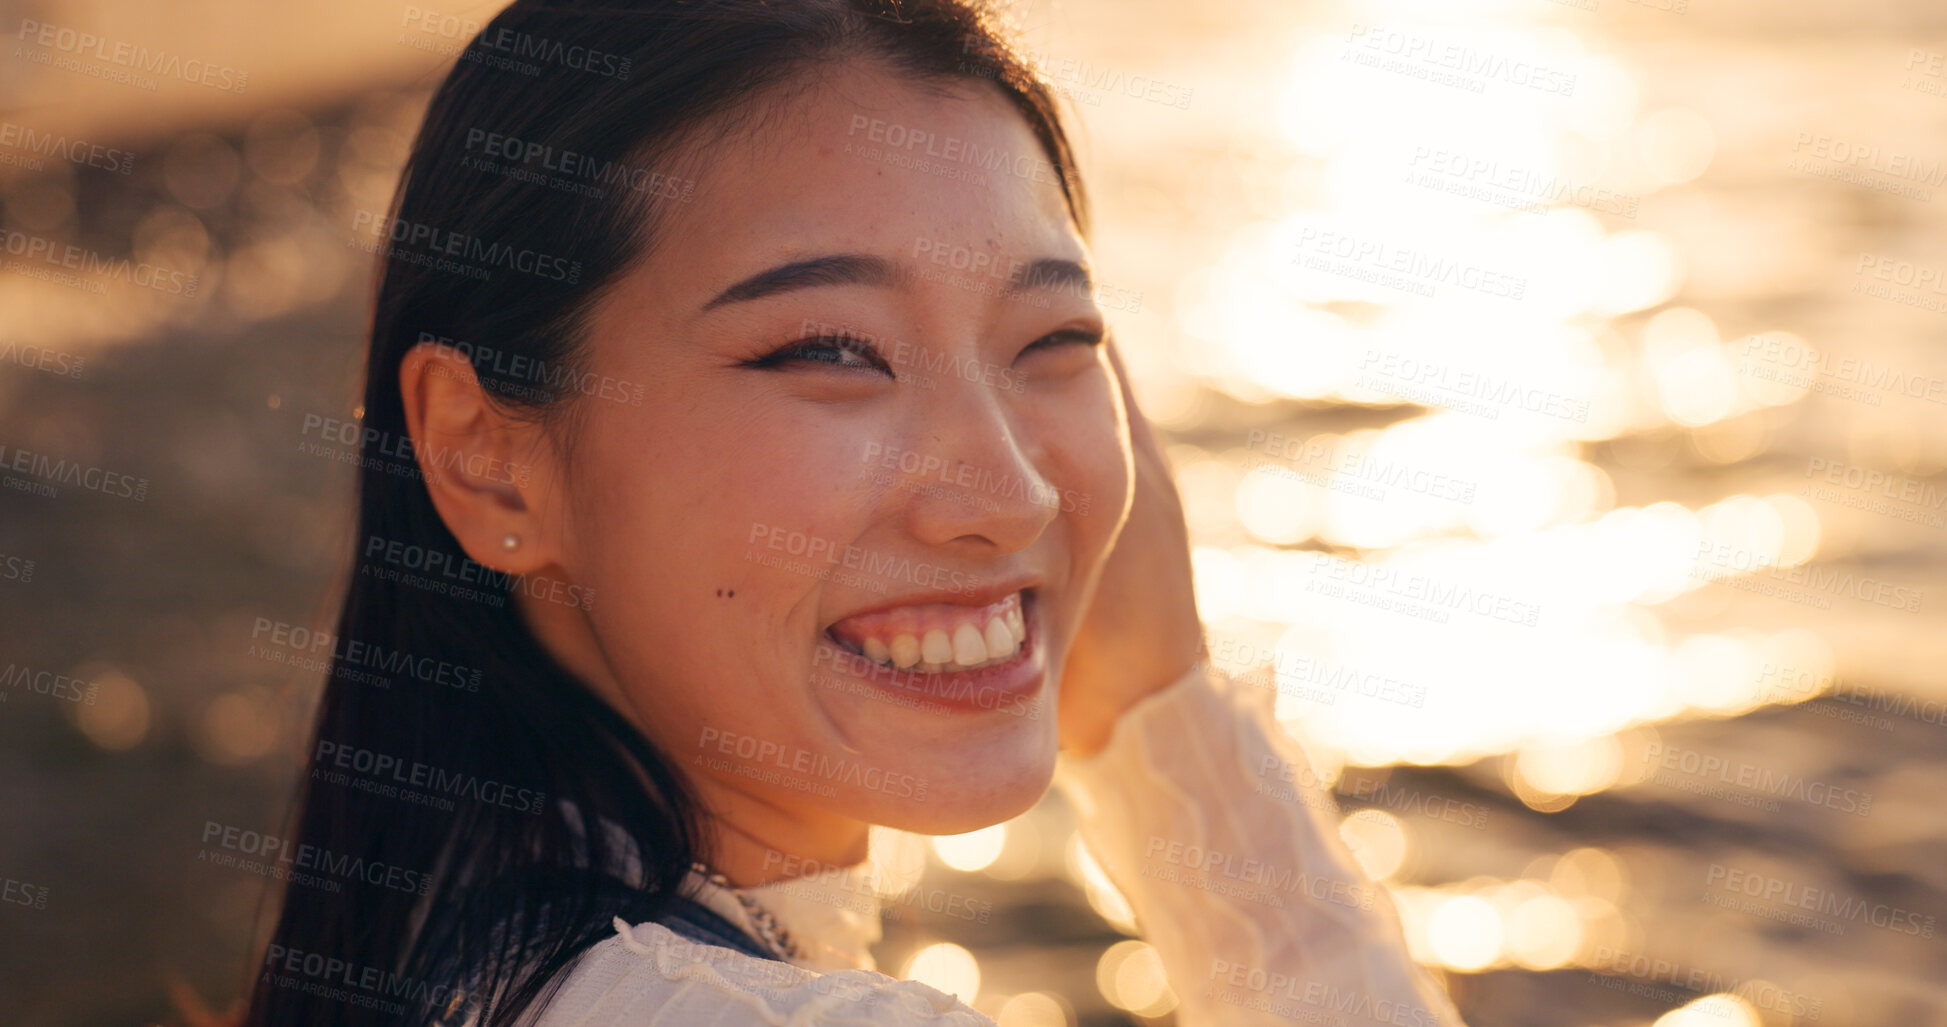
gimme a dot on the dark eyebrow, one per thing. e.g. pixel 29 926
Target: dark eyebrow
pixel 843 269
pixel 1050 273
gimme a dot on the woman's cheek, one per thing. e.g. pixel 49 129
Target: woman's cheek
pixel 1099 461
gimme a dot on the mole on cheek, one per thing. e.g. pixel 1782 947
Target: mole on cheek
pixel 726 593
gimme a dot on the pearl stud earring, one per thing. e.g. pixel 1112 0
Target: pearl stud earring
pixel 511 542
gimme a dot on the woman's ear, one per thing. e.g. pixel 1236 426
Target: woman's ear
pixel 486 471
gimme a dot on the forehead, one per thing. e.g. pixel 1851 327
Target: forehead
pixel 860 159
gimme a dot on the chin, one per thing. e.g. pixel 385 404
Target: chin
pixel 955 698
pixel 957 801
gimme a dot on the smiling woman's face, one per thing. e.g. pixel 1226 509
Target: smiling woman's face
pixel 787 521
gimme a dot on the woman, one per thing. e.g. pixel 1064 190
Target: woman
pixel 772 478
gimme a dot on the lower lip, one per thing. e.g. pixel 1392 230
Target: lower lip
pixel 1001 688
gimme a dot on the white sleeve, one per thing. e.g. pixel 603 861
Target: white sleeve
pixel 650 976
pixel 1254 904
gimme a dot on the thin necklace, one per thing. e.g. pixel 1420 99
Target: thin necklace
pixel 770 932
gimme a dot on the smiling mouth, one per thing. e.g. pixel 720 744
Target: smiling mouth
pixel 935 638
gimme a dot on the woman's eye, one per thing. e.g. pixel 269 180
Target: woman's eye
pixel 1053 340
pixel 831 350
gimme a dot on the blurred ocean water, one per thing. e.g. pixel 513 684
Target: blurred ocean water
pixel 1555 389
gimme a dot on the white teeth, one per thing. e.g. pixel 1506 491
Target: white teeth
pixel 968 647
pixel 1000 639
pixel 935 648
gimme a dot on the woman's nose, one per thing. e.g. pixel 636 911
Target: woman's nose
pixel 973 475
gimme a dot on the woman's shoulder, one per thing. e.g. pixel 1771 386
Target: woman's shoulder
pixel 649 974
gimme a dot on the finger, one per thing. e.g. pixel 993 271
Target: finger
pixel 1141 433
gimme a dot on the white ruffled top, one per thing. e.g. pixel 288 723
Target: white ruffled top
pixel 1255 906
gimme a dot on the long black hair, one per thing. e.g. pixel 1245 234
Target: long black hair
pixel 452 852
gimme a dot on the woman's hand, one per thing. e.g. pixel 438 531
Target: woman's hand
pixel 1141 632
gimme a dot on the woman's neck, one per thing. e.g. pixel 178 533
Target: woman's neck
pixel 754 843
